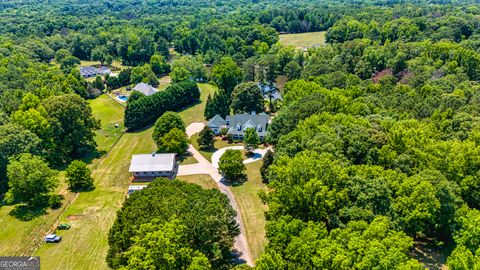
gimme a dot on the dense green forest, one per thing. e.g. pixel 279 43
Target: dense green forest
pixel 376 141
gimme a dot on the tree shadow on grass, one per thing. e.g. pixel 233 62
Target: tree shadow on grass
pixel 181 158
pixel 189 106
pixel 87 157
pixel 233 183
pixel 237 257
pixel 83 189
pixel 91 155
pixel 25 212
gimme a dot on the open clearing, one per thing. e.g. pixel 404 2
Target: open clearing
pixel 252 210
pixel 92 214
pixel 109 112
pixel 23 237
pixel 117 64
pixel 207 153
pixel 195 113
pixel 203 180
pixel 303 39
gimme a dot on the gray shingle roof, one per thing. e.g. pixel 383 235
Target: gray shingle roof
pixel 245 121
pixel 145 89
pixel 152 163
pixel 216 122
pixel 90 71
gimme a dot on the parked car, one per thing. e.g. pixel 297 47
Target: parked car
pixel 63 226
pixel 53 238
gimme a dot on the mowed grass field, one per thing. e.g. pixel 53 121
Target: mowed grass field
pixel 195 113
pixel 23 237
pixel 252 210
pixel 203 180
pixel 303 39
pixel 117 64
pixel 92 214
pixel 109 112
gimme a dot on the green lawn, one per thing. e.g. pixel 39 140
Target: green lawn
pixel 117 64
pixel 109 112
pixel 92 214
pixel 186 159
pixel 21 238
pixel 219 143
pixel 203 180
pixel 252 210
pixel 195 113
pixel 303 39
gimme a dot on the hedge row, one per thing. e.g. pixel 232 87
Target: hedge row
pixel 146 110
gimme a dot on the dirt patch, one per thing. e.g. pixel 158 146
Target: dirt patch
pixel 433 257
pixel 73 217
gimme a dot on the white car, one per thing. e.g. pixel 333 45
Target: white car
pixel 53 238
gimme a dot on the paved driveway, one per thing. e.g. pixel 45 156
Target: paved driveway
pixel 257 154
pixel 205 167
pixel 194 128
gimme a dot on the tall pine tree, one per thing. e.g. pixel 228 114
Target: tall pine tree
pixel 208 108
pixel 217 105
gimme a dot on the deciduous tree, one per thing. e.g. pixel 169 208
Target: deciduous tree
pixel 30 180
pixel 165 123
pixel 79 176
pixel 231 166
pixel 73 126
pixel 205 223
pixel 14 140
pixel 251 139
pixel 227 74
pixel 174 141
pixel 247 98
pixel 162 245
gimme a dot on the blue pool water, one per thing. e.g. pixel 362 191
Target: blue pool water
pixel 123 98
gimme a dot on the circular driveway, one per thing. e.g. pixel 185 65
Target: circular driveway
pixel 257 154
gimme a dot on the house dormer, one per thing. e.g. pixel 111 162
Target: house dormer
pixel 239 127
pixel 259 128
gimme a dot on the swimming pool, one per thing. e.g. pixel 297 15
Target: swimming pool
pixel 122 98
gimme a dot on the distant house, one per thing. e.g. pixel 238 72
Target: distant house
pixel 270 91
pixel 237 124
pixel 147 167
pixel 104 70
pixel 90 71
pixel 145 89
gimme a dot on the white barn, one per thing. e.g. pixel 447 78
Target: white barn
pixel 147 167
